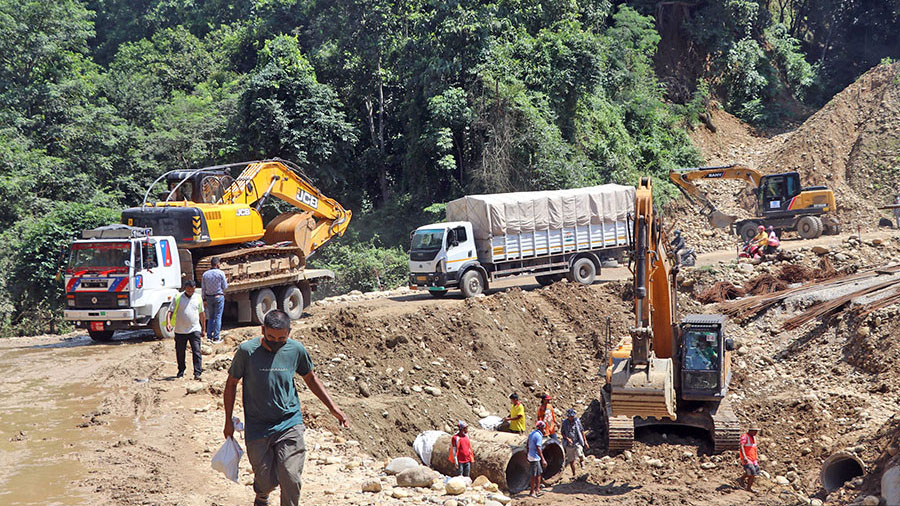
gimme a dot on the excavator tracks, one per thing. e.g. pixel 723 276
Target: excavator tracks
pixel 250 268
pixel 726 428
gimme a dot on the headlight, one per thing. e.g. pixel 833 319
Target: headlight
pixel 122 302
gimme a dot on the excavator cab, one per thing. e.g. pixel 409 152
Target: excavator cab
pixel 776 192
pixel 705 358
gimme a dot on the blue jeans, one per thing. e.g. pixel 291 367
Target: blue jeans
pixel 215 304
pixel 464 468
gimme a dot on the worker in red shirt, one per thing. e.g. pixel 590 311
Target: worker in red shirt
pixel 545 412
pixel 461 449
pixel 749 458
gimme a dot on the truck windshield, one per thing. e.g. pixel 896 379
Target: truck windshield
pixel 701 350
pixel 428 239
pixel 99 256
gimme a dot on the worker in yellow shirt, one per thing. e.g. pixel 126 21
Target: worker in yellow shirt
pixel 516 416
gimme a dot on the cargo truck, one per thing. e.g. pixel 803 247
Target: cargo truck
pixel 546 234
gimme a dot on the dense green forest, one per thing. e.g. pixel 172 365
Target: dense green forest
pixel 392 107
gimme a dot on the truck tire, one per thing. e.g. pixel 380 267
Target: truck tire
pixel 290 300
pixel 546 280
pixel 748 230
pixel 820 226
pixel 306 290
pixel 158 324
pixel 101 336
pixel 261 302
pixel 471 284
pixel 583 271
pixel 808 227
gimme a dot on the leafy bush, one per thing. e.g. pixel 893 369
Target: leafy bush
pixel 362 266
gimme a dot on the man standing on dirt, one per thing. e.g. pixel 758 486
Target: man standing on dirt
pixel 545 413
pixel 187 319
pixel 516 416
pixel 897 211
pixel 461 449
pixel 536 456
pixel 274 423
pixel 749 458
pixel 574 440
pixel 214 286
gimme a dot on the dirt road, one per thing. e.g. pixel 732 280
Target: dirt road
pixel 109 424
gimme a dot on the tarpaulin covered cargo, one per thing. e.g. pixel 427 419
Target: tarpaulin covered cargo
pixel 509 226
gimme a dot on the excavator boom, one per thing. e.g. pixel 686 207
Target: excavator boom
pixel 684 179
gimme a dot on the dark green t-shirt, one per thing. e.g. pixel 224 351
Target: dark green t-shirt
pixel 271 404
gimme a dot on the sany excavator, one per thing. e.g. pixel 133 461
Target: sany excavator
pixel 780 201
pixel 666 372
pixel 202 214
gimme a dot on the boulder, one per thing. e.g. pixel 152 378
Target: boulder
pixel 500 498
pixel 455 486
pixel 371 486
pixel 419 476
pixel 890 485
pixel 820 250
pixel 871 500
pixel 399 465
pixel 399 493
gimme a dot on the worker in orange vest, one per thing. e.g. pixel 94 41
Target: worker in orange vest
pixel 749 458
pixel 545 413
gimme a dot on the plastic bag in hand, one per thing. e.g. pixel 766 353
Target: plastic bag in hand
pixel 228 458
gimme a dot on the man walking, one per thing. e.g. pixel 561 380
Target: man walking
pixel 897 211
pixel 274 423
pixel 536 456
pixel 749 458
pixel 574 440
pixel 214 286
pixel 187 318
pixel 461 450
pixel 516 416
pixel 545 413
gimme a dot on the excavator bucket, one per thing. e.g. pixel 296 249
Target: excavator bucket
pixel 644 390
pixel 719 219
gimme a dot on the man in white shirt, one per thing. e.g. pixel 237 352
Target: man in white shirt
pixel 187 318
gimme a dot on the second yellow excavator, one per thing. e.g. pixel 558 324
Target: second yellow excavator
pixel 666 372
pixel 780 201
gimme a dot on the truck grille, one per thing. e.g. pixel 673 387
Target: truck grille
pixel 86 300
pixel 423 255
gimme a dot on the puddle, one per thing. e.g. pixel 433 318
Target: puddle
pixel 40 410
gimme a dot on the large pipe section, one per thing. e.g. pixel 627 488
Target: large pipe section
pixel 840 468
pixel 501 457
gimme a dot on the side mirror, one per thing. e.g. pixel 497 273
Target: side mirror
pixel 729 344
pixel 127 263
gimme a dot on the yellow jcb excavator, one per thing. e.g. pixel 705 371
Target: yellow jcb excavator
pixel 666 372
pixel 780 201
pixel 209 213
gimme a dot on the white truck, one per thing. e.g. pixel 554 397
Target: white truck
pixel 120 277
pixel 546 234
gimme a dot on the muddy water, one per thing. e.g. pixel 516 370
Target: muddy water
pixel 41 408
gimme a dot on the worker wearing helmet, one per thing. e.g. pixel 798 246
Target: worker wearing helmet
pixel 761 237
pixel 772 242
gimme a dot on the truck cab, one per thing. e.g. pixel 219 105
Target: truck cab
pixel 439 253
pixel 120 277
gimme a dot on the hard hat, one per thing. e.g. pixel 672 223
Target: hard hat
pixel 771 228
pixel 546 397
pixel 754 426
pixel 677 232
pixel 760 227
pixel 540 424
pixel 462 424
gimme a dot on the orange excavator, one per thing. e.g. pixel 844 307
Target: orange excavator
pixel 666 372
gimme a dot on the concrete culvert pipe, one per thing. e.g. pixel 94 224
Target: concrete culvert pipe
pixel 501 457
pixel 840 468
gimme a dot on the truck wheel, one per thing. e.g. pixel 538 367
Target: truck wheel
pixel 748 230
pixel 159 324
pixel 546 280
pixel 820 227
pixel 809 227
pixel 101 336
pixel 306 291
pixel 583 271
pixel 471 283
pixel 438 294
pixel 261 302
pixel 290 300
